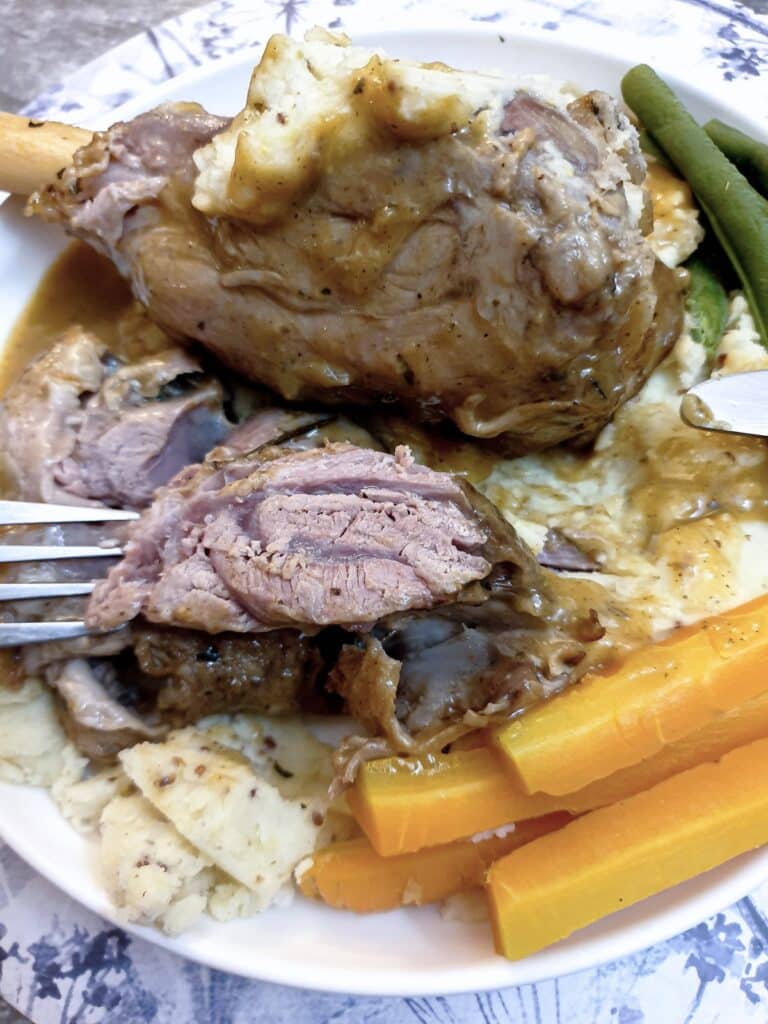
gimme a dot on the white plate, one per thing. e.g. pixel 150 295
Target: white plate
pixel 409 952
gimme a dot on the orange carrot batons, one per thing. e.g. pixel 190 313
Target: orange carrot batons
pixel 404 804
pixel 618 855
pixel 660 694
pixel 350 875
pixel 394 800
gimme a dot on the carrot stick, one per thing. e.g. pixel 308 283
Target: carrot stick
pixel 744 724
pixel 659 695
pixel 352 876
pixel 615 856
pixel 404 804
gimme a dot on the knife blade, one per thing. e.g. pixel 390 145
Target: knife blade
pixel 734 404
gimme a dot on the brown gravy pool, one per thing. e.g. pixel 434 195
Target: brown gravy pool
pixel 80 287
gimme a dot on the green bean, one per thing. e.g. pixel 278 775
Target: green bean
pixel 738 214
pixel 707 303
pixel 749 155
pixel 651 148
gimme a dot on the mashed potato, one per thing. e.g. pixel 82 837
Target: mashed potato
pixel 311 100
pixel 82 796
pixel 677 230
pixel 153 875
pixel 219 817
pixel 640 502
pixel 34 748
pixel 223 840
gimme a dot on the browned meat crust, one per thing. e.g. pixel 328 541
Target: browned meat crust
pixel 199 674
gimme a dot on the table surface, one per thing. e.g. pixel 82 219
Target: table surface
pixel 44 40
pixel 62 964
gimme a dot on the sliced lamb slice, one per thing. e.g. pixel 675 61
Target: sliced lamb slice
pixel 334 535
pixel 79 427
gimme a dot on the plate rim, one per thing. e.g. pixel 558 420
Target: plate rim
pixel 743 874
pixel 701 80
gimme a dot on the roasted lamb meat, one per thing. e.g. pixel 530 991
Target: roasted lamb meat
pixel 482 262
pixel 121 687
pixel 288 565
pixel 80 427
pixel 399 588
pixel 338 535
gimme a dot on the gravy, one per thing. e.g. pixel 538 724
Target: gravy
pixel 80 287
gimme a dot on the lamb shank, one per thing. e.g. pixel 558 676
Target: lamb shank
pixel 375 230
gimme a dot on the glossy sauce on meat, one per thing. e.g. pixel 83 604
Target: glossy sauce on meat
pixel 493 276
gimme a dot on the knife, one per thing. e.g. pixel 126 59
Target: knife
pixel 734 404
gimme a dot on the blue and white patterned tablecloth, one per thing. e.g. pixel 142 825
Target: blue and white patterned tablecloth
pixel 58 962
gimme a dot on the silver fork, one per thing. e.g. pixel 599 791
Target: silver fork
pixel 18 513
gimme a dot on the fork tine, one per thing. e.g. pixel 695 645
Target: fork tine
pixel 17 512
pixel 44 552
pixel 13 633
pixel 21 591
